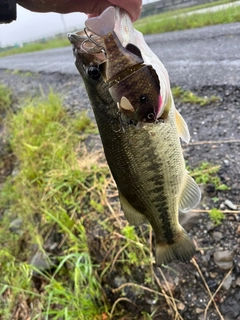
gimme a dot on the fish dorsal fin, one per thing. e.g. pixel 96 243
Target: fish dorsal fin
pixel 132 215
pixel 182 127
pixel 102 24
pixel 126 104
pixel 134 49
pixel 191 195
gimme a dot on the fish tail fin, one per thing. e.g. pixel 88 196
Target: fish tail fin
pixel 182 249
pixel 102 24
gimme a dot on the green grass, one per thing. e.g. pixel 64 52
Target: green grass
pixel 216 216
pixel 5 98
pixel 38 46
pixel 206 173
pixel 189 97
pixel 177 20
pixel 190 9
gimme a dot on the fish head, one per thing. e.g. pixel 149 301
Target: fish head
pixel 90 60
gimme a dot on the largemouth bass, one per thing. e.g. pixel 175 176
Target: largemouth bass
pixel 145 159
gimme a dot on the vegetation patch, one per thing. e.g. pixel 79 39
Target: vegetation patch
pixel 216 216
pixel 187 96
pixel 5 98
pixel 206 173
pixel 182 20
pixel 36 46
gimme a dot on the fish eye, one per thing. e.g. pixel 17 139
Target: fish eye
pixel 143 98
pixel 94 73
pixel 150 116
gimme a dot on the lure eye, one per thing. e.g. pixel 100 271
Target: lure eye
pixel 94 73
pixel 143 98
pixel 150 116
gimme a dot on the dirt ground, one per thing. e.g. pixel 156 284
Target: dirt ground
pixel 215 138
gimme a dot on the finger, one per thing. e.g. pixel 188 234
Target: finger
pixel 93 7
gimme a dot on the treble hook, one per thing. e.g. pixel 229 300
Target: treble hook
pixel 89 38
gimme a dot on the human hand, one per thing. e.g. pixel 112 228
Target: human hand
pixel 91 7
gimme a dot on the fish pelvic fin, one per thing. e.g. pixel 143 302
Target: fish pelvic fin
pixel 182 127
pixel 191 195
pixel 126 104
pixel 102 24
pixel 132 215
pixel 183 249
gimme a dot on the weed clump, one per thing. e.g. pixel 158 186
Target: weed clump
pixel 5 98
pixel 190 97
pixel 216 216
pixel 206 173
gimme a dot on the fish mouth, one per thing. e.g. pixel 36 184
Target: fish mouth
pixel 85 42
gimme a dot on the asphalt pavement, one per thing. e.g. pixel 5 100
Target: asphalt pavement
pixel 194 58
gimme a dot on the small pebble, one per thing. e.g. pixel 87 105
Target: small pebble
pixel 41 261
pixel 118 281
pixel 224 259
pixel 227 283
pixel 226 162
pixel 230 205
pixel 217 235
pixel 222 206
pixel 16 226
pixel 180 306
pixel 238 229
pixel 210 225
pixel 199 310
pixel 238 282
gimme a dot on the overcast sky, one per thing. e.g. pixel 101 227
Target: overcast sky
pixel 32 26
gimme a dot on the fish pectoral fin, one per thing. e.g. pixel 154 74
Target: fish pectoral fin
pixel 132 215
pixel 134 49
pixel 126 104
pixel 182 249
pixel 102 24
pixel 182 127
pixel 191 195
